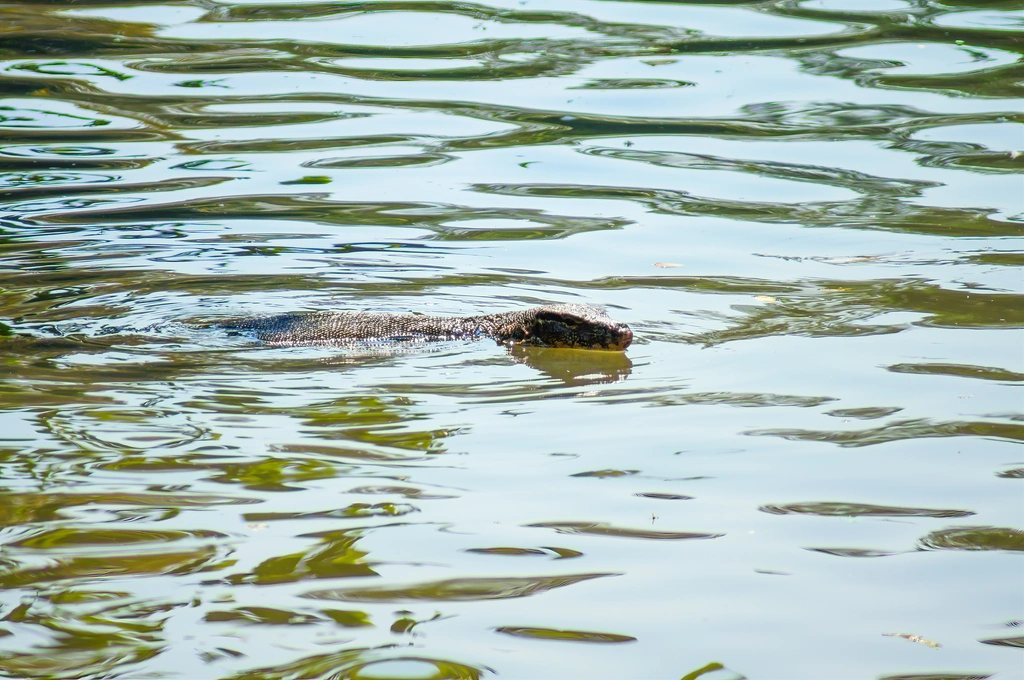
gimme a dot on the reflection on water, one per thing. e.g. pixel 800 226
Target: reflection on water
pixel 808 212
pixel 575 367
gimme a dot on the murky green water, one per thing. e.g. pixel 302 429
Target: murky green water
pixel 807 466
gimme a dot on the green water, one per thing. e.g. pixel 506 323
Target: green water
pixel 806 467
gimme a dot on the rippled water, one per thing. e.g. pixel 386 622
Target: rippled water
pixel 806 466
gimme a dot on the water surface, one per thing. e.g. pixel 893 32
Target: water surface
pixel 806 466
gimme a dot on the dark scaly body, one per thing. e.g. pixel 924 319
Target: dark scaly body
pixel 564 325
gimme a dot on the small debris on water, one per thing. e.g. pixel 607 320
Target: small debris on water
pixel 914 638
pixel 850 260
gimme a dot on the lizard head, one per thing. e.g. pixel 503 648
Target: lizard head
pixel 575 326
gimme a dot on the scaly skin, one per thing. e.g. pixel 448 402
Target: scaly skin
pixel 564 325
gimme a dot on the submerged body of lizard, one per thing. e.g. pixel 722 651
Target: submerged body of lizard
pixel 577 326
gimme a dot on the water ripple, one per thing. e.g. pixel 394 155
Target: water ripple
pixel 807 211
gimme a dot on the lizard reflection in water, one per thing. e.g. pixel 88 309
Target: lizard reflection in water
pixel 576 326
